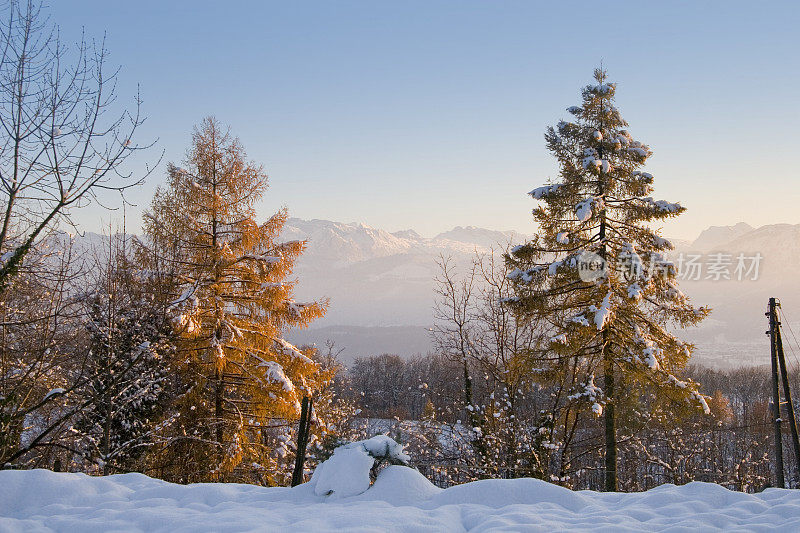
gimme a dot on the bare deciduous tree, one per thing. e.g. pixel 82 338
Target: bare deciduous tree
pixel 40 339
pixel 474 327
pixel 62 140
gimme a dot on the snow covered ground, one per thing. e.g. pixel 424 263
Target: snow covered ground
pixel 400 500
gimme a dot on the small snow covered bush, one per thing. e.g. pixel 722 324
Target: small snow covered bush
pixel 385 450
pixel 353 467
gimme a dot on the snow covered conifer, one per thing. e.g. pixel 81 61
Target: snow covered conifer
pixel 128 353
pixel 609 327
pixel 236 301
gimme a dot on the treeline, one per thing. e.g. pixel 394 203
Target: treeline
pixel 420 401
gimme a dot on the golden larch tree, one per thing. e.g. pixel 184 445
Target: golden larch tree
pixel 233 303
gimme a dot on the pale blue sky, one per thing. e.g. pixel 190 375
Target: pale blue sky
pixel 431 114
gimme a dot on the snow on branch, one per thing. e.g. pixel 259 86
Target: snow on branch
pixel 285 348
pixel 651 352
pixel 297 308
pixel 187 299
pixel 603 313
pixel 693 394
pixel 640 150
pixel 603 88
pixel 590 160
pixel 186 296
pixel 583 211
pixel 53 392
pixel 274 373
pixel 544 191
pixel 662 205
pixel 661 242
pixel 644 175
pixel 592 393
pixel 579 319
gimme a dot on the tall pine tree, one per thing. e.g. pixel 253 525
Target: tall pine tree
pixel 240 375
pixel 609 327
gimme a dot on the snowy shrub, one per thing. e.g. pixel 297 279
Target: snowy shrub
pixel 353 467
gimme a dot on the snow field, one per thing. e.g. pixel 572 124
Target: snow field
pixel 401 499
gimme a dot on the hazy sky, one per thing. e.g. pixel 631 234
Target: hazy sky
pixel 431 114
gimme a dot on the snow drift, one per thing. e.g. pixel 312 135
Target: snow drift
pixel 400 500
pixel 341 496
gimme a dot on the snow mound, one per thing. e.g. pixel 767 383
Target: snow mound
pixel 400 500
pixel 346 472
pixel 400 485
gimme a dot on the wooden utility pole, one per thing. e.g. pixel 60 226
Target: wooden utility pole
pixel 787 395
pixel 302 440
pixel 776 394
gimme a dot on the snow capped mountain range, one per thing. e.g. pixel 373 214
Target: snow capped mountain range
pixel 779 244
pixel 354 242
pixel 375 278
pixel 381 284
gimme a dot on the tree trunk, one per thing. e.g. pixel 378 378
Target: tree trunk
pixel 107 438
pixel 608 415
pixel 608 369
pixel 474 418
pixel 218 415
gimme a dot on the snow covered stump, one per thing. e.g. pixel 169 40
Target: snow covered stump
pixel 347 471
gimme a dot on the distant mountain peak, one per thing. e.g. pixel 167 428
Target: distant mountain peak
pixel 408 234
pixel 720 235
pixel 483 237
